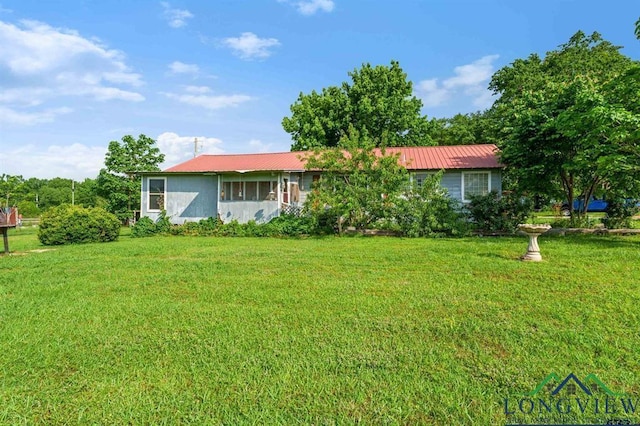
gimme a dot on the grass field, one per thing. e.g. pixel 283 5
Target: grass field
pixel 178 330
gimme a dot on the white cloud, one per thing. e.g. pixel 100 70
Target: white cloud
pixel 178 67
pixel 31 96
pixel 469 80
pixel 249 46
pixel 110 93
pixel 43 63
pixel 431 94
pixel 197 89
pixel 197 96
pixel 472 74
pixel 131 79
pixel 176 18
pixel 180 148
pixel 11 116
pixel 75 161
pixel 258 146
pixel 484 100
pixel 310 7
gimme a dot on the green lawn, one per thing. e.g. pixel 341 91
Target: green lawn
pixel 170 330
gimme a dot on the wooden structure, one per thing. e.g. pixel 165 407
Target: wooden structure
pixel 8 219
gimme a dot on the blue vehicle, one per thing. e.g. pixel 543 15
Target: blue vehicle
pixel 595 205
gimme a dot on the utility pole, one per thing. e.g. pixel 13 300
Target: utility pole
pixel 73 192
pixel 195 147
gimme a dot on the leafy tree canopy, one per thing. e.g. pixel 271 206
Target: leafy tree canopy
pixel 560 117
pixel 33 195
pixel 117 182
pixel 378 103
pixel 358 185
pixel 464 129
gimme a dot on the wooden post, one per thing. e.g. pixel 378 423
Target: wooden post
pixel 8 219
pixel 5 238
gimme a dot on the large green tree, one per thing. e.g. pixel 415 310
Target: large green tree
pixel 359 184
pixel 547 109
pixel 464 129
pixel 118 182
pixel 378 103
pixel 11 189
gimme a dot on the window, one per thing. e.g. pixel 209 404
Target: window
pixel 248 190
pixel 236 191
pixel 475 183
pixel 419 179
pixel 267 190
pixel 251 191
pixel 156 194
pixel 225 195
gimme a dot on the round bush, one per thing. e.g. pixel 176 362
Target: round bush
pixel 144 227
pixel 67 224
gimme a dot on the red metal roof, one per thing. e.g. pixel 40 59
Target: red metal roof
pixel 413 158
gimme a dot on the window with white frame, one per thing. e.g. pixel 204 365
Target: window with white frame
pixel 157 192
pixel 475 183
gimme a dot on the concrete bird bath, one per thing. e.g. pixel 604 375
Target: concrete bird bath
pixel 533 231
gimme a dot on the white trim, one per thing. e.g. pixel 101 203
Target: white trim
pixel 164 195
pixel 462 194
pixel 218 197
pixel 142 197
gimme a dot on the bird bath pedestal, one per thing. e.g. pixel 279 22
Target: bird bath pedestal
pixel 533 231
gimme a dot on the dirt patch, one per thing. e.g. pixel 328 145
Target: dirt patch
pixel 24 253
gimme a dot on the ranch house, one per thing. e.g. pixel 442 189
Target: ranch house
pixel 259 187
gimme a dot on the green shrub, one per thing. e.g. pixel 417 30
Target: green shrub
pixel 619 214
pixel 284 225
pixel 232 229
pixel 427 210
pixel 163 224
pixel 67 224
pixel 493 213
pixel 188 228
pixel 291 225
pixel 325 221
pixel 209 226
pixel 144 227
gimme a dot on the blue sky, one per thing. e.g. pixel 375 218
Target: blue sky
pixel 75 75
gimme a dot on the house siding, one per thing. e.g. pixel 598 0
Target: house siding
pixel 452 182
pixel 195 197
pixel 188 198
pixel 244 211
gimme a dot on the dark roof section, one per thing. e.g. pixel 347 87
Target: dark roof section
pixel 413 158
